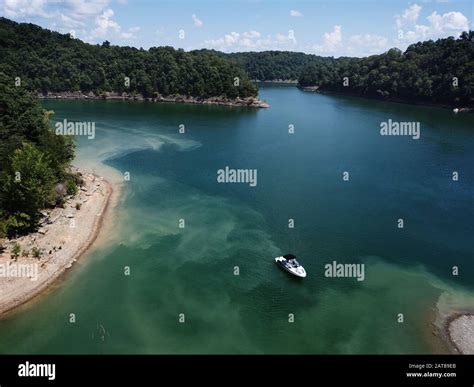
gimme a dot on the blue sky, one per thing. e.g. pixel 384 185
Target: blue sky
pixel 329 28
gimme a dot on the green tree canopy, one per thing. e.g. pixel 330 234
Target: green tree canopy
pixel 27 186
pixel 47 61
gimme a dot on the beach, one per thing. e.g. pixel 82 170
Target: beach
pixel 64 235
pixel 460 331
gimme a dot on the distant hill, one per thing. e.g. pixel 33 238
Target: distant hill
pixel 277 65
pixel 440 72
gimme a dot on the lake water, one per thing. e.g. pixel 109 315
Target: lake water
pixel 191 270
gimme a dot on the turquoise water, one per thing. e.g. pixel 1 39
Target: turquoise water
pixel 190 270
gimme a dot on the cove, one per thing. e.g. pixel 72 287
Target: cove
pixel 190 270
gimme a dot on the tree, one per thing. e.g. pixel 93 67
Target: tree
pixel 28 187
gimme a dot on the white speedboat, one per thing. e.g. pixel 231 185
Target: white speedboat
pixel 290 264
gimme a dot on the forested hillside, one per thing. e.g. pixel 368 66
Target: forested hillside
pixel 278 65
pixel 33 160
pixel 439 71
pixel 49 61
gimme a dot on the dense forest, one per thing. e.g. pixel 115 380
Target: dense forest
pixel 48 61
pixel 278 65
pixel 439 71
pixel 34 161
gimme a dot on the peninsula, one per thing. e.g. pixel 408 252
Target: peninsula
pixel 33 262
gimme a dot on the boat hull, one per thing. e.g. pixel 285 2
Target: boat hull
pixel 299 272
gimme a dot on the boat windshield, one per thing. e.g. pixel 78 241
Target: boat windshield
pixel 293 262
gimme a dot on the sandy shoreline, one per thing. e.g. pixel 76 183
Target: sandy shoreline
pixel 459 333
pixel 69 232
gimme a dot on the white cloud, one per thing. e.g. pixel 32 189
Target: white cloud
pixel 82 8
pixel 131 33
pixel 335 44
pixel 410 15
pixel 454 21
pixel 24 8
pixel 332 41
pixel 79 13
pixel 91 20
pixel 231 38
pixel 64 16
pixel 285 38
pixel 252 34
pixel 437 26
pixel 295 13
pixel 69 22
pixel 251 40
pixel 362 45
pixel 197 22
pixel 104 27
pixel 105 24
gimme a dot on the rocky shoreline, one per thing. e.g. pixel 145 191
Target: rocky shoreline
pixel 278 81
pixel 316 89
pixel 238 102
pixel 459 330
pixel 309 88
